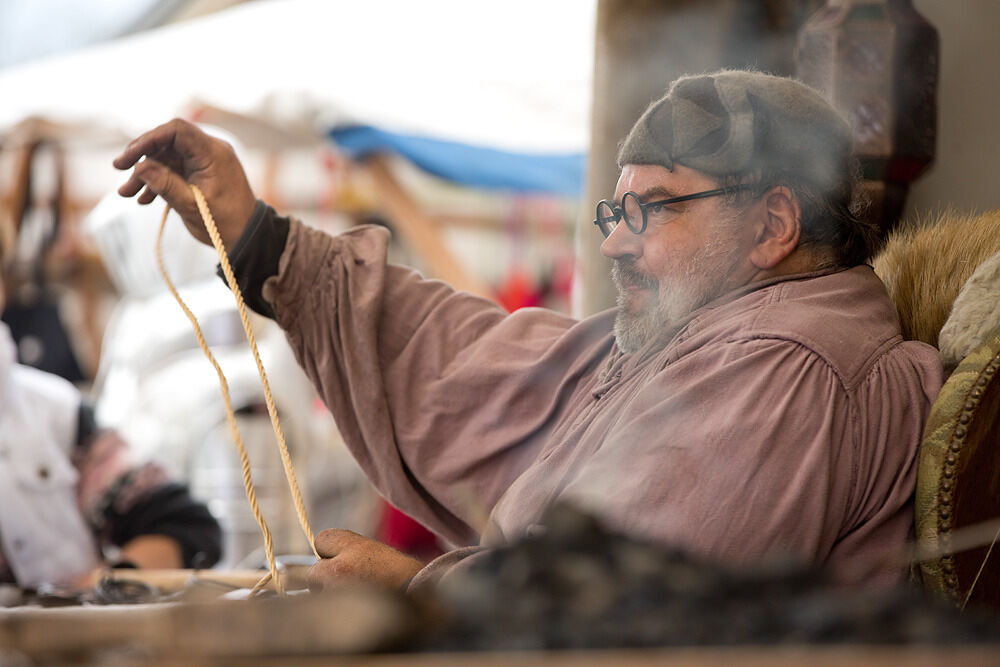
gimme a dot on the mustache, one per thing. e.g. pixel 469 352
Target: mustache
pixel 625 274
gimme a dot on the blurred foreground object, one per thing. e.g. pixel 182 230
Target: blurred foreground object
pixel 574 585
pixel 578 585
pixel 350 620
pixel 877 62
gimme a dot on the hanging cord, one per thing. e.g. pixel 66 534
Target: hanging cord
pixel 981 568
pixel 286 459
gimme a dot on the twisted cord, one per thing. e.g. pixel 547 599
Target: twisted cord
pixel 261 584
pixel 230 416
pixel 981 568
pixel 272 411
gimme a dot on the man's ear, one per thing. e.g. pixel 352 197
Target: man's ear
pixel 778 229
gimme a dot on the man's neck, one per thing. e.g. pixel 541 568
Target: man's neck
pixel 803 260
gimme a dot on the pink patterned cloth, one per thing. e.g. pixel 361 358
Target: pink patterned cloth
pixel 110 478
pixel 100 463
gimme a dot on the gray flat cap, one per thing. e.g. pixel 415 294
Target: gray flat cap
pixel 734 122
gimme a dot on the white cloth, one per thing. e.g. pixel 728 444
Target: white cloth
pixel 44 537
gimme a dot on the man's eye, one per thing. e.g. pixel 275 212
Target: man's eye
pixel 659 210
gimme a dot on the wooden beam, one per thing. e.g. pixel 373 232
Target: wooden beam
pixel 421 232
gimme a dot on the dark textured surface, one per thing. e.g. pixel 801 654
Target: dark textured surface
pixel 579 586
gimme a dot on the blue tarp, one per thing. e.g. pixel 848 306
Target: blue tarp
pixel 469 165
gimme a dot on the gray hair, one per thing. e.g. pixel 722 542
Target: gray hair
pixel 832 224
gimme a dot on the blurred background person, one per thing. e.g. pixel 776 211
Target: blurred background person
pixel 72 498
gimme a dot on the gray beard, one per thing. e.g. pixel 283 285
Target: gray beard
pixel 661 321
pixel 703 280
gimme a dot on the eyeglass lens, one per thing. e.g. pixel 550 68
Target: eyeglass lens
pixel 634 212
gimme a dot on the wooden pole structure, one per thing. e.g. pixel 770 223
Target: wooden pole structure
pixel 419 230
pixel 638 50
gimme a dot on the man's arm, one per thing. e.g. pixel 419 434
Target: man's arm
pixel 442 397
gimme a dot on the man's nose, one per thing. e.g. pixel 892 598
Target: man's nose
pixel 622 243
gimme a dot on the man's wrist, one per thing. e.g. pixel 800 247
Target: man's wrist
pixel 256 255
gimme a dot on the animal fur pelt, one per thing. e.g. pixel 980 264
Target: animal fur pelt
pixel 925 265
pixel 975 315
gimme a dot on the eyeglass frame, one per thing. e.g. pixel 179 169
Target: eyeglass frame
pixel 619 211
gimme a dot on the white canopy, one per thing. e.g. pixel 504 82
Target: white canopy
pixel 514 75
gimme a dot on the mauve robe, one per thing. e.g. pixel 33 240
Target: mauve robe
pixel 783 419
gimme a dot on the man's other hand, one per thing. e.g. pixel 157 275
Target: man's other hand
pixel 166 159
pixel 347 556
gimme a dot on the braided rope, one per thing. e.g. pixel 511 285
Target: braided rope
pixel 272 411
pixel 286 459
pixel 230 414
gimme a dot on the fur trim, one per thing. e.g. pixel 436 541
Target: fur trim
pixel 975 315
pixel 925 265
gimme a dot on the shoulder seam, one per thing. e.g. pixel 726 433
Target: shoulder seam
pixel 849 384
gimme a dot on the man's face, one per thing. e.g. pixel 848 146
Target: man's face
pixel 689 254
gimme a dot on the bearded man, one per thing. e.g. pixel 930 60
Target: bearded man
pixel 750 396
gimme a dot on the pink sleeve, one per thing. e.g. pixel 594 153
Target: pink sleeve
pixel 402 362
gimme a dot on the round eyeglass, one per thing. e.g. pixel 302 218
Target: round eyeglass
pixel 634 211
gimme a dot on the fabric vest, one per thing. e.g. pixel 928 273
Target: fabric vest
pixel 44 537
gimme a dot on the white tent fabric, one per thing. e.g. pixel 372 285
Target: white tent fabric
pixel 513 75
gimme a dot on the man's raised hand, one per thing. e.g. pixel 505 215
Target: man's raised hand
pixel 166 159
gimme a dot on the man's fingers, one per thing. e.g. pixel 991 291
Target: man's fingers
pixel 147 144
pixel 330 543
pixel 177 138
pixel 132 186
pixel 349 556
pixel 165 159
pixel 159 180
pixel 146 197
pixel 324 574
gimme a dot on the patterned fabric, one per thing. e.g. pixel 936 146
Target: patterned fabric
pixel 109 478
pixel 957 435
pixel 102 463
pixel 735 122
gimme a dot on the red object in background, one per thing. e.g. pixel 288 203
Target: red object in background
pixel 401 532
pixel 518 291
